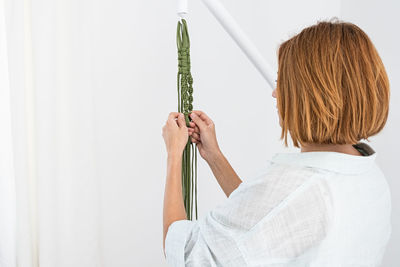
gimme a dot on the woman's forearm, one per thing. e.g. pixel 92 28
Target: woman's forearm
pixel 223 171
pixel 174 209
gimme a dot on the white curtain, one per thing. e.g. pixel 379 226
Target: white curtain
pixel 7 182
pixel 49 197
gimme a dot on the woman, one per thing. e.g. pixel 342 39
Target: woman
pixel 326 206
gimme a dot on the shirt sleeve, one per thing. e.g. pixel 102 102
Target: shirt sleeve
pixel 205 242
pixel 291 231
pixel 269 220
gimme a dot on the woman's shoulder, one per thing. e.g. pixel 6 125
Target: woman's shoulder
pixel 257 196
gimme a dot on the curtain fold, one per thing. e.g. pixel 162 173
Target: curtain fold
pixel 7 182
pixel 49 194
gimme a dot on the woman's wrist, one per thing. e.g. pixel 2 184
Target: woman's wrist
pixel 212 157
pixel 174 156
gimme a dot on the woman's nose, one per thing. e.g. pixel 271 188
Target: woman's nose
pixel 274 93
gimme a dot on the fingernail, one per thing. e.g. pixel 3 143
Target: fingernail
pixel 192 115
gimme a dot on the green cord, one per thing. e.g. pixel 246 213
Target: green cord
pixel 195 165
pixel 185 106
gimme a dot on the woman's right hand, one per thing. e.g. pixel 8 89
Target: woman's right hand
pixel 202 132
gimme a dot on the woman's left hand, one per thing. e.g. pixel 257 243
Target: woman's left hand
pixel 176 133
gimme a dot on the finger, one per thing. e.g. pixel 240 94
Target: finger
pixel 196 136
pixel 199 122
pixel 194 140
pixel 195 129
pixel 192 124
pixel 173 115
pixel 203 116
pixel 181 120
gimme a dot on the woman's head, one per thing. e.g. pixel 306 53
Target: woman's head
pixel 332 87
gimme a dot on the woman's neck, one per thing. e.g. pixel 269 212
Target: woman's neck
pixel 347 148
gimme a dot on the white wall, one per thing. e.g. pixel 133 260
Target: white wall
pixel 380 19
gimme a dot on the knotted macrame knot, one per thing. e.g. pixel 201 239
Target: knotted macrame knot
pixel 184 61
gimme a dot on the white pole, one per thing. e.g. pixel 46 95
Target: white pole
pixel 237 34
pixel 234 30
pixel 182 8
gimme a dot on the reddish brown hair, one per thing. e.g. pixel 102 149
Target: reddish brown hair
pixel 332 87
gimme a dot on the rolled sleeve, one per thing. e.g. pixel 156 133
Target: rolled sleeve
pixel 178 235
pixel 205 242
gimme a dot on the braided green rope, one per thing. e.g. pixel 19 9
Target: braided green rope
pixel 185 99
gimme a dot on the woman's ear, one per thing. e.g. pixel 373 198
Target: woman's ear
pixel 274 93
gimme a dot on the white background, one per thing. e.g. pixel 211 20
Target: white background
pixel 101 79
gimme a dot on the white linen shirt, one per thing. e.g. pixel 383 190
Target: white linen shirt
pixel 306 209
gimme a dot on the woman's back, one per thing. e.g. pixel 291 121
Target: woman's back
pixel 358 205
pixel 305 209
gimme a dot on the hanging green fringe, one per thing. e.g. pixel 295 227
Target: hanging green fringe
pixel 185 99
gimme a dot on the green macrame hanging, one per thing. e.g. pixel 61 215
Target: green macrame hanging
pixel 185 99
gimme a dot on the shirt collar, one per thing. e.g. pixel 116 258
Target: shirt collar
pixel 331 161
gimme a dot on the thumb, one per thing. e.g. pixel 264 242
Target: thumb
pixel 200 123
pixel 181 120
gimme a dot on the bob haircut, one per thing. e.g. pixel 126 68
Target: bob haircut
pixel 332 87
